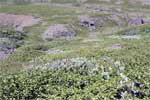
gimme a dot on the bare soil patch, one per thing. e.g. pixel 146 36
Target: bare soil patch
pixel 17 21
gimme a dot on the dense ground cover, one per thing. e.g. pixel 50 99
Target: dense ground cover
pixel 109 63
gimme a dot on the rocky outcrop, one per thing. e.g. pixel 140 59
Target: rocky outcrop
pixel 58 31
pixel 93 23
pixel 90 22
pixel 139 21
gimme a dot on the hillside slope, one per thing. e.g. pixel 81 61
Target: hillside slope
pixel 74 49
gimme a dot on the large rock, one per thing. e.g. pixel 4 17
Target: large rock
pixel 93 23
pixel 58 31
pixel 17 21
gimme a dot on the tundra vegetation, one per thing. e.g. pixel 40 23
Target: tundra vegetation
pixel 74 50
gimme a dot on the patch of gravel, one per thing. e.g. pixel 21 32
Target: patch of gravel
pixel 58 31
pixel 17 21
